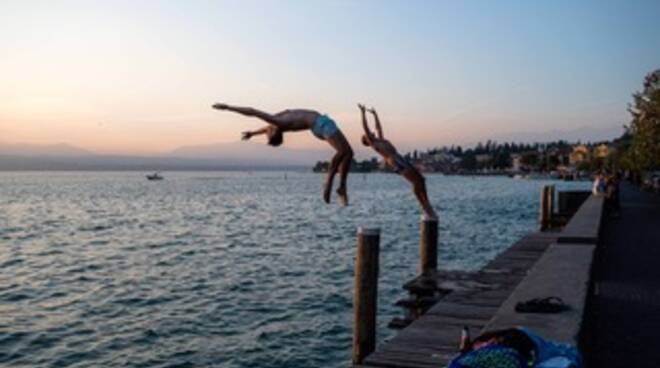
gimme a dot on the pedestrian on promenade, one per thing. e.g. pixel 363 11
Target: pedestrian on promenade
pixel 612 199
pixel 599 186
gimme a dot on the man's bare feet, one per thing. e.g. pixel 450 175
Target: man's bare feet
pixel 343 196
pixel 326 192
pixel 429 214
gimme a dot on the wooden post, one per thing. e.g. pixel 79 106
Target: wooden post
pixel 428 246
pixel 366 293
pixel 551 204
pixel 545 204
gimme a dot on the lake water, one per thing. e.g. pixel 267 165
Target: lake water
pixel 227 269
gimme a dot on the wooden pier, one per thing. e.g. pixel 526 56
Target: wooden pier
pixel 432 340
pixel 484 299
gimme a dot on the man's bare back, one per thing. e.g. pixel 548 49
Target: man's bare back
pixel 299 119
pixel 384 147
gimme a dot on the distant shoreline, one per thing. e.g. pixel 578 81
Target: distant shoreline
pixel 127 163
pixel 149 170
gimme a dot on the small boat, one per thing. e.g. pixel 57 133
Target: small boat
pixel 155 176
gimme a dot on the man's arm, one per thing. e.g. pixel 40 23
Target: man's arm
pixel 367 131
pixel 379 129
pixel 249 134
pixel 249 111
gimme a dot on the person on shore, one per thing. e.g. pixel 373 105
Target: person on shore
pixel 599 185
pixel 395 161
pixel 320 125
pixel 612 200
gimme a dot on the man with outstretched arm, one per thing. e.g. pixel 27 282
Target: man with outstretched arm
pixel 320 125
pixel 395 161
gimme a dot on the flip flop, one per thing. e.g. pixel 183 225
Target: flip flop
pixel 551 304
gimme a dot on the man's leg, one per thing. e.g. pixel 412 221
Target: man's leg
pixel 419 188
pixel 332 171
pixel 420 192
pixel 344 169
pixel 345 152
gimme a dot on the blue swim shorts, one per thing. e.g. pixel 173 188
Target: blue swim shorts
pixel 324 127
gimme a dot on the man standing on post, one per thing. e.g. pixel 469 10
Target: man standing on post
pixel 395 161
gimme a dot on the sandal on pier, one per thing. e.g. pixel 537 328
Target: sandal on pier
pixel 551 304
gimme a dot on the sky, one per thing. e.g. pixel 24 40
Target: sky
pixel 139 77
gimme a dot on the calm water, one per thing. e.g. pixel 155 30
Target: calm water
pixel 219 269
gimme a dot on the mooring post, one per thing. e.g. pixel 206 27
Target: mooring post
pixel 545 205
pixel 366 293
pixel 428 246
pixel 551 209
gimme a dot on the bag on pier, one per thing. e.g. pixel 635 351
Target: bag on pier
pixel 517 348
pixel 550 354
pixel 491 356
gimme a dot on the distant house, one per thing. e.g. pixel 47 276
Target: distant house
pixel 562 154
pixel 516 162
pixel 580 154
pixel 483 158
pixel 437 162
pixel 601 151
pixel 565 171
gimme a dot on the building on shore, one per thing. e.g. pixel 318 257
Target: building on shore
pixel 437 162
pixel 581 154
pixel 602 151
pixel 516 163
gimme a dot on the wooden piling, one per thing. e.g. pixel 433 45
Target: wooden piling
pixel 428 246
pixel 545 210
pixel 551 205
pixel 365 293
pixel 542 208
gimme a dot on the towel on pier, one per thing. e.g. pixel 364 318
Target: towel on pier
pixel 491 356
pixel 496 354
pixel 550 354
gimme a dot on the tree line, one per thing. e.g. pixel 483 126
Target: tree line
pixel 541 156
pixel 637 150
pixel 639 147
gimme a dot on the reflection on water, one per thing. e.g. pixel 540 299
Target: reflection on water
pixel 223 269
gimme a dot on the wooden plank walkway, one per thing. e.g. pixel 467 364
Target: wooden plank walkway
pixel 432 340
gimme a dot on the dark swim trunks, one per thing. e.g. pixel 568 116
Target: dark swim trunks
pixel 400 164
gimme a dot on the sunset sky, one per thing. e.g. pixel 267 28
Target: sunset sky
pixel 140 76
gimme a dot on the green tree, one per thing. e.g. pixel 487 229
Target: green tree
pixel 529 159
pixel 502 160
pixel 644 151
pixel 469 161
